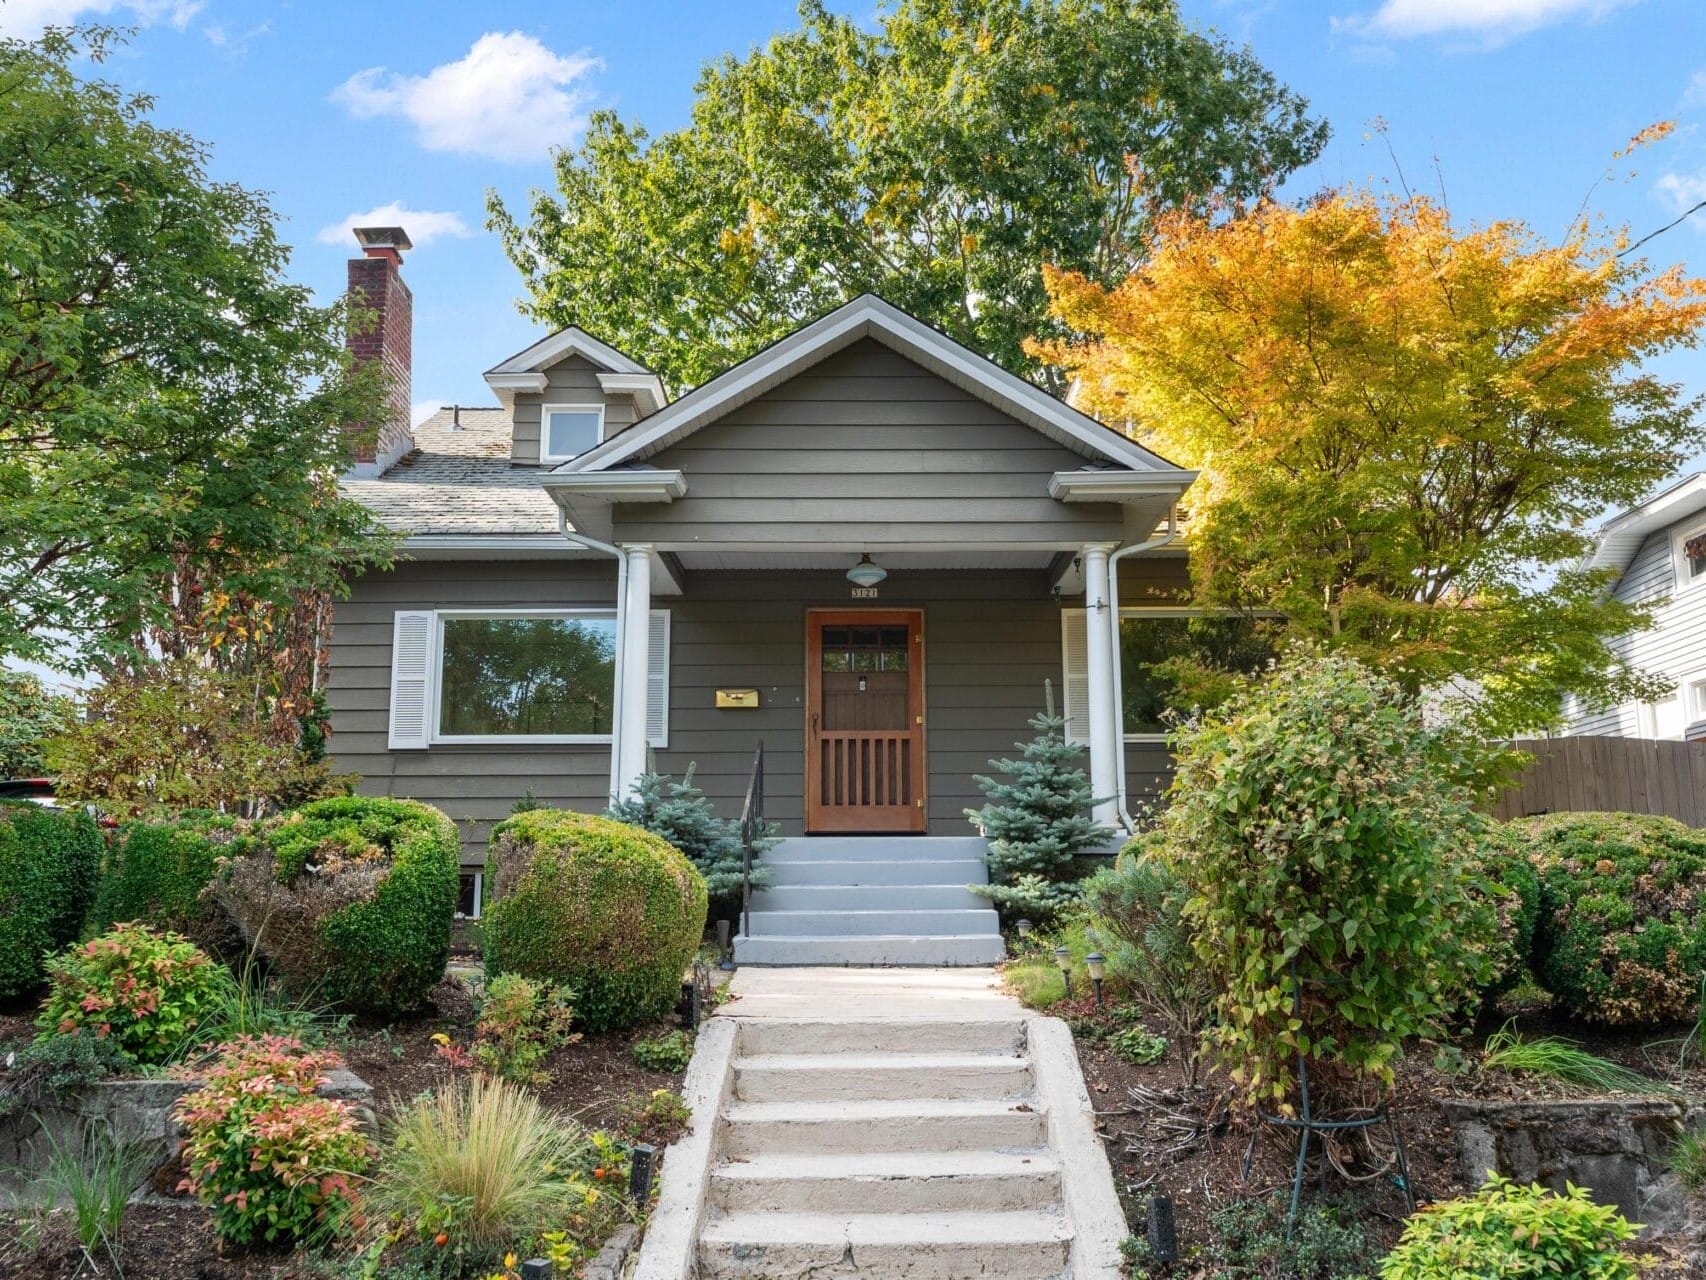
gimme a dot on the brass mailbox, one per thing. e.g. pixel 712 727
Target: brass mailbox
pixel 737 698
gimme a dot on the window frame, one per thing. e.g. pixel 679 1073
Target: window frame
pixel 479 892
pixel 435 737
pixel 1681 579
pixel 1174 611
pixel 545 412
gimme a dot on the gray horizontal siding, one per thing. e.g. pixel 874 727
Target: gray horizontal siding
pixel 572 380
pixel 1675 646
pixel 475 785
pixel 868 447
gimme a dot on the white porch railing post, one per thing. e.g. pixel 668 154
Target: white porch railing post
pixel 1099 660
pixel 631 668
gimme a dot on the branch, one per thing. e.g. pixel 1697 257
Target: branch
pixel 1679 219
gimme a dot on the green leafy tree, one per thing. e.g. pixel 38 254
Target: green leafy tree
pixel 1037 819
pixel 171 408
pixel 29 716
pixel 939 160
pixel 682 815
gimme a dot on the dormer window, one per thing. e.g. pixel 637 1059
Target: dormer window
pixel 569 430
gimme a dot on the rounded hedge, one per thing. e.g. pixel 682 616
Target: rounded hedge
pixel 157 870
pixel 1621 937
pixel 612 911
pixel 1510 882
pixel 50 860
pixel 350 900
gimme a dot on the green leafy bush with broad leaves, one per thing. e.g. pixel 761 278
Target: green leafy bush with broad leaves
pixel 521 1023
pixel 146 991
pixel 671 1051
pixel 1329 843
pixel 614 912
pixel 50 861
pixel 350 900
pixel 1621 938
pixel 156 871
pixel 272 1161
pixel 1509 1230
pixel 1136 918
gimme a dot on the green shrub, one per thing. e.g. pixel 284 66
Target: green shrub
pixel 1247 1239
pixel 683 816
pixel 1507 1230
pixel 149 992
pixel 50 860
pixel 521 1023
pixel 1330 846
pixel 1138 1045
pixel 1622 933
pixel 272 1161
pixel 156 871
pixel 609 910
pixel 59 1066
pixel 671 1051
pixel 1509 882
pixel 1136 917
pixel 350 900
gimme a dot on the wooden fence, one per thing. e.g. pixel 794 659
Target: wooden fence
pixel 1630 775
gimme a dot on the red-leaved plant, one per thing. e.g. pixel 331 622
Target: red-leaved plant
pixel 273 1162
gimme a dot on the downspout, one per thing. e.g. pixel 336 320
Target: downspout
pixel 1153 544
pixel 609 549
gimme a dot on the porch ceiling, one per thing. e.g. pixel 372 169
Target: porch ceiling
pixel 837 558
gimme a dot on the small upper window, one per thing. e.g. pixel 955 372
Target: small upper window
pixel 567 431
pixel 1689 546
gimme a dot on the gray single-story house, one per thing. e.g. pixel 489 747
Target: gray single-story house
pixel 865 547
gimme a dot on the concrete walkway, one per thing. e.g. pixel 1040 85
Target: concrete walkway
pixel 879 995
pixel 880 1124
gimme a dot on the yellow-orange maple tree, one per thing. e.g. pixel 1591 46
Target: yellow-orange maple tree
pixel 1404 428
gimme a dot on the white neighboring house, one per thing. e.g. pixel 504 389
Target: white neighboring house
pixel 1659 552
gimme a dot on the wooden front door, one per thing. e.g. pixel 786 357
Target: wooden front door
pixel 865 720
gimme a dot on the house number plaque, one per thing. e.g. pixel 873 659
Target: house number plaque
pixel 737 697
pixel 864 593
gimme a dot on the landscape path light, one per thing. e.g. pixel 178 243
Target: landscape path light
pixel 1098 968
pixel 1063 960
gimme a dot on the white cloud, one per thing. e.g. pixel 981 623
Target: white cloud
pixel 1494 20
pixel 1682 191
pixel 421 410
pixel 423 225
pixel 510 98
pixel 28 18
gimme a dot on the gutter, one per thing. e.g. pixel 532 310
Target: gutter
pixel 610 549
pixel 1137 548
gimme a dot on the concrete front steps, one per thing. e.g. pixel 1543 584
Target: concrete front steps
pixel 906 1149
pixel 872 900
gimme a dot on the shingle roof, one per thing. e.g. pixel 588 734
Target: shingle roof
pixel 459 482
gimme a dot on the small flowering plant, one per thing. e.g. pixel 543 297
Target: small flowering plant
pixel 273 1162
pixel 146 991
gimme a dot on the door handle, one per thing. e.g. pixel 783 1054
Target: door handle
pixel 814 724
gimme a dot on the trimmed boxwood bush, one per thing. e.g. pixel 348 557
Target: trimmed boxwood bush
pixel 610 910
pixel 1622 933
pixel 50 860
pixel 156 871
pixel 1510 881
pixel 350 900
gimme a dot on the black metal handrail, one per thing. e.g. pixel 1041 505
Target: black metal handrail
pixel 751 829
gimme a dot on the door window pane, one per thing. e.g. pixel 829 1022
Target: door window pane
pixel 527 676
pixel 1161 661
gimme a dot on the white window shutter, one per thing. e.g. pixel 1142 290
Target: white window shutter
pixel 1075 682
pixel 657 680
pixel 411 679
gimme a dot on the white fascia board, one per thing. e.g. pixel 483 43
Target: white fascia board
pixel 570 341
pixel 869 316
pixel 616 486
pixel 501 382
pixel 1621 537
pixel 474 546
pixel 646 388
pixel 1117 486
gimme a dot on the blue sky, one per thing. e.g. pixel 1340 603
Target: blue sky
pixel 342 110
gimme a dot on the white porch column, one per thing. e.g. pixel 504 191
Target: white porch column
pixel 631 669
pixel 1099 661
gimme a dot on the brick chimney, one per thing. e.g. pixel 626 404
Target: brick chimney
pixel 376 284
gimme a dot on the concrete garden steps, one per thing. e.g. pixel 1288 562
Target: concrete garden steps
pixel 872 900
pixel 921 1148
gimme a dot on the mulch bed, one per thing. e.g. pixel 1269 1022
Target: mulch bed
pixel 1154 1151
pixel 592 1080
